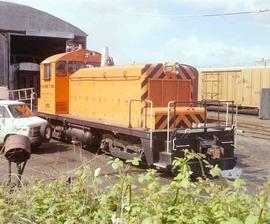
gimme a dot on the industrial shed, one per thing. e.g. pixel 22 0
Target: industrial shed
pixel 27 37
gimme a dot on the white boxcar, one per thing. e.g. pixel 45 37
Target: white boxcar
pixel 240 84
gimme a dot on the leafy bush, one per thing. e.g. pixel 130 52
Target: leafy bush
pixel 91 198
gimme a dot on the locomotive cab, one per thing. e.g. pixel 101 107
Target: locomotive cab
pixel 54 81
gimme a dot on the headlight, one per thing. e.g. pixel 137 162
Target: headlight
pixel 168 68
pixel 34 131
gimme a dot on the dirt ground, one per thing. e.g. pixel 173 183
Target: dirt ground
pixel 254 160
pixel 54 158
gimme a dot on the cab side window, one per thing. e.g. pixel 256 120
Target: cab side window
pixel 3 112
pixel 74 66
pixel 47 71
pixel 92 64
pixel 60 68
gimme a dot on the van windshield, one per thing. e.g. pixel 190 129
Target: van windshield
pixel 20 110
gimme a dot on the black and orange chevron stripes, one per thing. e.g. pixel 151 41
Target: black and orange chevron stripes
pixel 155 71
pixel 183 72
pixel 190 73
pixel 150 71
pixel 179 121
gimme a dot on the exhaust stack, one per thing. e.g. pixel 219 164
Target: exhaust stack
pixel 106 59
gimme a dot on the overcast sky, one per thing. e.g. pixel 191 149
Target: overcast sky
pixel 134 32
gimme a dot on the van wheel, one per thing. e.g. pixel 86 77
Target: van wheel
pixel 47 133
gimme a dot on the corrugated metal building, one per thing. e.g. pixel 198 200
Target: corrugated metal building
pixel 27 37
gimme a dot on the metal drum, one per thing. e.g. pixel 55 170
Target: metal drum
pixel 17 148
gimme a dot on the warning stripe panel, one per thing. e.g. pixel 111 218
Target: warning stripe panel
pixel 144 95
pixel 159 121
pixel 200 117
pixel 184 71
pixel 195 119
pixel 187 121
pixel 179 121
pixel 189 71
pixel 181 124
pixel 146 67
pixel 190 118
pixel 156 71
pixel 150 71
pixel 181 75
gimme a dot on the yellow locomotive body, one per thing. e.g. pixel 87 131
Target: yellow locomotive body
pixel 131 95
pixel 123 95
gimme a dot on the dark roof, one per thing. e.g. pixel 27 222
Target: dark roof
pixel 33 22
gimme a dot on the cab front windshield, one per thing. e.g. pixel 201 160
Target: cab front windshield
pixel 20 110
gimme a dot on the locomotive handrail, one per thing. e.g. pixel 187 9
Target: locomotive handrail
pixel 202 102
pixel 235 125
pixel 168 126
pixel 227 114
pixel 101 78
pixel 151 116
pixel 206 103
pixel 229 103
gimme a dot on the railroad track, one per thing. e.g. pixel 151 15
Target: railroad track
pixel 256 131
pixel 245 128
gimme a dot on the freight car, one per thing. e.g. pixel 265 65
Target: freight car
pixel 240 84
pixel 149 111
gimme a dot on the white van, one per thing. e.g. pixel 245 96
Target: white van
pixel 17 118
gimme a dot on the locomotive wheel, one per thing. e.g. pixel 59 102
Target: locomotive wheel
pixel 143 162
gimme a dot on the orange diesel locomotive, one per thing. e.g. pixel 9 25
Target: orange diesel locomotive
pixel 149 111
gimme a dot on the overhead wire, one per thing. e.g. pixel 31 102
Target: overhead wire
pixel 204 15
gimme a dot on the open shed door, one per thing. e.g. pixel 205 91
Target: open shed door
pixel 3 60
